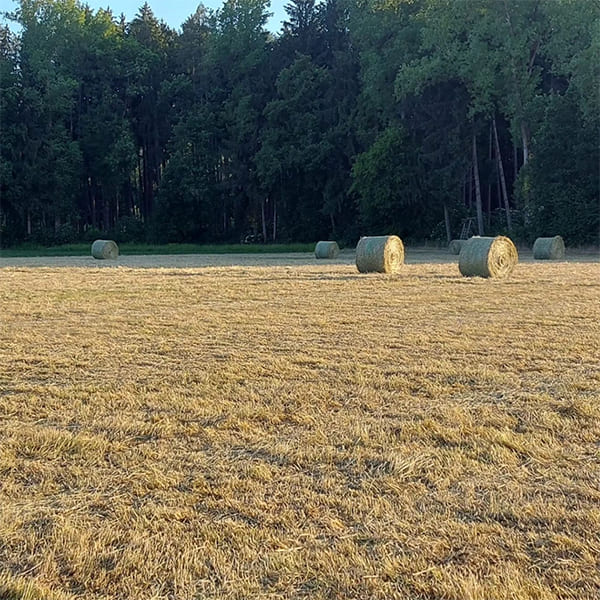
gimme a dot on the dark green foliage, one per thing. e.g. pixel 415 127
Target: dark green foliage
pixel 292 162
pixel 385 181
pixel 562 182
pixel 359 117
pixel 186 210
pixel 127 230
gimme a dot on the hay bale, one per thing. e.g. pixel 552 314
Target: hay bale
pixel 488 257
pixel 327 250
pixel 102 249
pixel 549 248
pixel 380 254
pixel 455 245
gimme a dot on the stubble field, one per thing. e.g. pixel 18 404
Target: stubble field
pixel 292 429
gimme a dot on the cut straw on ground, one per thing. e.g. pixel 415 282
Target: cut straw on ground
pixel 299 431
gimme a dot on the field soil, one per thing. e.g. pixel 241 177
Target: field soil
pixel 240 427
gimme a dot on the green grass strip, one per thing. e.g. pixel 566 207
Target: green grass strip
pixel 142 249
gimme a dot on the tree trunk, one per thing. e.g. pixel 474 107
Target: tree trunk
pixel 131 196
pixel 105 210
pixel 92 202
pixel 264 220
pixel 478 204
pixel 157 159
pixel 498 190
pixel 274 219
pixel 489 187
pixel 502 179
pixel 515 162
pixel 470 188
pixel 447 223
pixel 525 136
pixel 140 184
pixel 146 182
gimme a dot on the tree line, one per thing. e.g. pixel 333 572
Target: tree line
pixel 359 117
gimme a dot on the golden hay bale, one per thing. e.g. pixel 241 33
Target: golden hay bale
pixel 488 257
pixel 455 245
pixel 549 248
pixel 327 249
pixel 102 249
pixel 379 254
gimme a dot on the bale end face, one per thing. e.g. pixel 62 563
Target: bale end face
pixel 455 245
pixel 488 257
pixel 379 254
pixel 327 250
pixel 549 248
pixel 105 249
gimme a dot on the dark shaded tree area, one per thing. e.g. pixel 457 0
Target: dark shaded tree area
pixel 359 117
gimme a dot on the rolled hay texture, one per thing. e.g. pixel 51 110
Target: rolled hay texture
pixel 549 248
pixel 103 249
pixel 327 250
pixel 379 254
pixel 455 245
pixel 488 257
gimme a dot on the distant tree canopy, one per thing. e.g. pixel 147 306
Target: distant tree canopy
pixel 359 117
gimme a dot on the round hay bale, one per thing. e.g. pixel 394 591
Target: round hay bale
pixel 488 257
pixel 102 249
pixel 327 250
pixel 549 248
pixel 379 254
pixel 455 245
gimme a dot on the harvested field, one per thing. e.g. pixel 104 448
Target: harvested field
pixel 293 429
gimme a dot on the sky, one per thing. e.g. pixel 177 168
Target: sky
pixel 173 12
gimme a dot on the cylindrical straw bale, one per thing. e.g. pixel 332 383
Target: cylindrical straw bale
pixel 488 257
pixel 380 254
pixel 455 245
pixel 549 248
pixel 102 249
pixel 327 249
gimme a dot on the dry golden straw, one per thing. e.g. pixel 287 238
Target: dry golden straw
pixel 455 245
pixel 182 434
pixel 549 248
pixel 380 254
pixel 105 249
pixel 327 250
pixel 488 257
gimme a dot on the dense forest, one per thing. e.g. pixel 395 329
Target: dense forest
pixel 359 117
